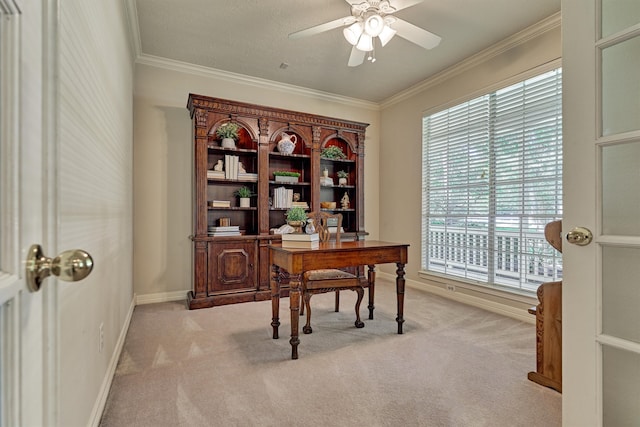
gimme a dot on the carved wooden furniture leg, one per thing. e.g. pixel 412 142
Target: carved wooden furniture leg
pixel 294 300
pixel 337 309
pixel 400 293
pixel 307 302
pixel 371 279
pixel 359 323
pixel 275 299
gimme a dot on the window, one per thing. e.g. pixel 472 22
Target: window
pixel 492 180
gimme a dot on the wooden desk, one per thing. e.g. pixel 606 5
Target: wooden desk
pixel 331 255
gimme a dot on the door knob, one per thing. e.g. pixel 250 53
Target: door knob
pixel 70 266
pixel 580 236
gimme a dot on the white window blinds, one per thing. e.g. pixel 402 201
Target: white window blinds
pixel 492 179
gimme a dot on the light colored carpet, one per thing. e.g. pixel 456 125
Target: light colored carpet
pixel 454 365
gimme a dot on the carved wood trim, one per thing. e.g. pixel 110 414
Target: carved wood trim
pixel 286 116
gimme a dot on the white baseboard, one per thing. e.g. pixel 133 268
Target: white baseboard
pixel 98 407
pixel 503 308
pixel 161 297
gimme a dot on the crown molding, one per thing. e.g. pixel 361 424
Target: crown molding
pixel 547 24
pixel 184 67
pixel 134 29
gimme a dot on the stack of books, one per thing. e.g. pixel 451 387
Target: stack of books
pixel 246 176
pixel 215 174
pixel 303 205
pixel 301 240
pixel 220 204
pixel 231 230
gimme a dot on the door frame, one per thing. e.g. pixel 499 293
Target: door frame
pixel 50 18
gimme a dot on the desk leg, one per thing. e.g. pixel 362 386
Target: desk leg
pixel 275 299
pixel 371 279
pixel 294 301
pixel 400 293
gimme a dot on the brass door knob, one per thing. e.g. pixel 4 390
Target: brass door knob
pixel 70 266
pixel 580 236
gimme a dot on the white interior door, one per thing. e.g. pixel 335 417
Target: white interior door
pixel 23 368
pixel 601 289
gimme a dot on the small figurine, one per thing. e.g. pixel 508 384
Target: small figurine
pixel 218 166
pixel 345 201
pixel 310 228
pixel 241 168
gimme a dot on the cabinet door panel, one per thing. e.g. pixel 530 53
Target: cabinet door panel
pixel 231 266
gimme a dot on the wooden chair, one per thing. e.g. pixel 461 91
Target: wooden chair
pixel 328 280
pixel 549 323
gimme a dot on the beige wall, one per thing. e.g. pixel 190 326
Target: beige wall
pixel 401 132
pixel 163 165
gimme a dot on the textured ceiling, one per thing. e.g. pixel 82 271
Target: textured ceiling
pixel 250 37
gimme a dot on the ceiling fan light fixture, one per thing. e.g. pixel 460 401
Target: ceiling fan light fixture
pixel 353 33
pixel 386 35
pixel 365 43
pixel 374 25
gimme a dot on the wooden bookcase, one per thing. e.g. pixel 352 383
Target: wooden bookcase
pixel 233 269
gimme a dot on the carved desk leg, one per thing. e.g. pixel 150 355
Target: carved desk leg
pixel 400 293
pixel 371 279
pixel 294 301
pixel 275 299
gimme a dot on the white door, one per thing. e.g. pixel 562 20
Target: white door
pixel 601 289
pixel 28 317
pixel 22 214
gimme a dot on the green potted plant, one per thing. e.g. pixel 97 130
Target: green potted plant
pixel 244 193
pixel 296 217
pixel 286 176
pixel 333 152
pixel 342 177
pixel 228 132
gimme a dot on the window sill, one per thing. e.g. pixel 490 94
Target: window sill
pixel 515 295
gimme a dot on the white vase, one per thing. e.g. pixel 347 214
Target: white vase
pixel 342 181
pixel 245 202
pixel 228 143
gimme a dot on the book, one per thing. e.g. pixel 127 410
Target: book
pixel 282 197
pixel 231 166
pixel 301 237
pixel 224 233
pixel 224 228
pixel 300 244
pixel 215 174
pixel 245 176
pixel 220 204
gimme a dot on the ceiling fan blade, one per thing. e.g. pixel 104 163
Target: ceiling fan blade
pixel 403 4
pixel 320 28
pixel 415 34
pixel 356 58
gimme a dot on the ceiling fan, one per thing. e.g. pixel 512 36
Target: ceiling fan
pixel 371 19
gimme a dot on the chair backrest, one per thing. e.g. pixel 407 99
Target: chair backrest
pixel 320 222
pixel 553 234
